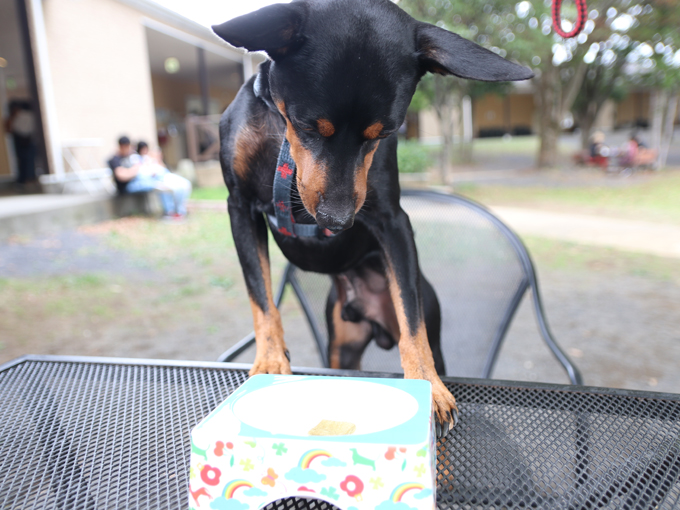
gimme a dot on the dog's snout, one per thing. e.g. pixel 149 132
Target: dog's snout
pixel 334 223
pixel 335 213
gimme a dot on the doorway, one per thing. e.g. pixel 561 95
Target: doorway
pixel 18 93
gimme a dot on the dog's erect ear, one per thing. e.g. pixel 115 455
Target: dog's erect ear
pixel 444 52
pixel 274 29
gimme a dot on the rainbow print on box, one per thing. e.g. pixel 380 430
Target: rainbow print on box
pixel 231 487
pixel 400 490
pixel 255 448
pixel 309 456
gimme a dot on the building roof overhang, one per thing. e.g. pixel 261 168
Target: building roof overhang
pixel 176 21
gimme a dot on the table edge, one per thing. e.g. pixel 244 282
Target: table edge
pixel 335 372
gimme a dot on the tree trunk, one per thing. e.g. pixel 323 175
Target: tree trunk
pixel 586 127
pixel 465 135
pixel 548 104
pixel 667 135
pixel 444 101
pixel 446 154
pixel 572 88
pixel 657 105
pixel 586 122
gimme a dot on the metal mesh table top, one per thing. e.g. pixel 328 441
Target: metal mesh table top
pixel 102 433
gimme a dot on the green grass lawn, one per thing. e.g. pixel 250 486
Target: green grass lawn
pixel 654 199
pixel 572 257
pixel 216 193
pixel 181 283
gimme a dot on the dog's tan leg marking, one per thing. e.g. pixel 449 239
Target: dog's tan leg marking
pixel 346 333
pixel 270 355
pixel 416 355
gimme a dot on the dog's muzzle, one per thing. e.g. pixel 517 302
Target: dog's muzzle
pixel 333 221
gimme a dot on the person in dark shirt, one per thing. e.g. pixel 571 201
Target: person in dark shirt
pixel 122 166
pixel 130 176
pixel 599 152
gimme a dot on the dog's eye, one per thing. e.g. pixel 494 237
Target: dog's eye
pixel 302 126
pixel 384 134
pixel 310 133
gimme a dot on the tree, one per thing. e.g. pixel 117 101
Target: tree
pixel 441 93
pixel 657 62
pixel 602 80
pixel 445 94
pixel 522 31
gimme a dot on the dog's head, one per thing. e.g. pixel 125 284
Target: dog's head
pixel 343 74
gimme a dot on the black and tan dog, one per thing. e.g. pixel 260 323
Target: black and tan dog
pixel 340 78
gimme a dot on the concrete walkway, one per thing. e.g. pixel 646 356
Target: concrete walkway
pixel 630 235
pixel 28 204
pixel 29 215
pixel 43 214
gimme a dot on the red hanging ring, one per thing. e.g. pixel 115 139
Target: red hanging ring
pixel 580 20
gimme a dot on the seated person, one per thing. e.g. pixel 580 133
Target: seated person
pixel 599 152
pixel 645 156
pixel 133 174
pixel 152 165
pixel 629 153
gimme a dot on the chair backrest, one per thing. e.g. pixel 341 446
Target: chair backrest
pixel 480 271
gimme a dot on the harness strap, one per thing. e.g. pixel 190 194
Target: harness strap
pixel 283 220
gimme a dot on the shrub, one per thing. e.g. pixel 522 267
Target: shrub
pixel 414 157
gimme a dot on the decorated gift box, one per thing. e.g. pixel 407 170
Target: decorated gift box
pixel 357 443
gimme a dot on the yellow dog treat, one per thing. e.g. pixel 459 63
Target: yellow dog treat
pixel 333 428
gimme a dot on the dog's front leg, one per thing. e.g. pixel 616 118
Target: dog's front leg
pixel 250 237
pixel 396 238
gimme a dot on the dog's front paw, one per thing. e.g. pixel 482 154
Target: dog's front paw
pixel 272 363
pixel 445 409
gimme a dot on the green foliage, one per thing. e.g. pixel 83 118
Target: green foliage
pixel 215 193
pixel 422 98
pixel 414 157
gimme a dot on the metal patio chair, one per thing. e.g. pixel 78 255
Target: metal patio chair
pixel 480 271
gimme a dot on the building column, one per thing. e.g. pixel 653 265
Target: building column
pixel 43 75
pixel 203 80
pixel 247 66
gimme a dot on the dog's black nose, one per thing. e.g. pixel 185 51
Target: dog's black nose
pixel 334 223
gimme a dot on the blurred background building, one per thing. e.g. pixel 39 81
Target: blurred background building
pixel 91 71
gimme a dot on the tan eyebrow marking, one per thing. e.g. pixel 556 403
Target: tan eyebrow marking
pixel 372 131
pixel 326 128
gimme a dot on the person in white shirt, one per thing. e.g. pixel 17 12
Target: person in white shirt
pixel 139 172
